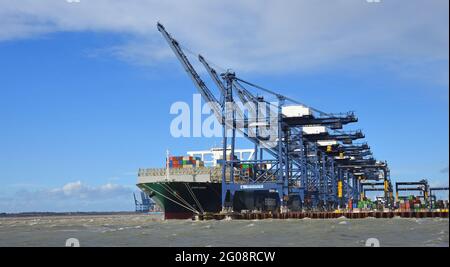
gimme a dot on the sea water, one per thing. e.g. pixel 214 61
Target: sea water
pixel 152 230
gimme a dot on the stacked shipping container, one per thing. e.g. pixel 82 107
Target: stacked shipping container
pixel 411 204
pixel 185 162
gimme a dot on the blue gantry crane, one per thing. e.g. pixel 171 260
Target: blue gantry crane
pixel 302 154
pixel 145 204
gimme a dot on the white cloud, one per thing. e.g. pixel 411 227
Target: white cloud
pixel 254 35
pixel 78 190
pixel 73 196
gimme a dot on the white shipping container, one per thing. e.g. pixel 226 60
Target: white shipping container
pixel 314 129
pixel 327 142
pixel 345 157
pixel 296 111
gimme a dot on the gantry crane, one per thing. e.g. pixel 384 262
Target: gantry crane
pixel 420 186
pixel 301 153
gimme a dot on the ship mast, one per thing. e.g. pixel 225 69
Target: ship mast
pixel 167 165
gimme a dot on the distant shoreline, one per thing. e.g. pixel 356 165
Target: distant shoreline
pixel 52 214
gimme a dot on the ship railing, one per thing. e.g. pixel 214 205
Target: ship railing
pixel 175 171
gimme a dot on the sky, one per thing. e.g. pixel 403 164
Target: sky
pixel 86 86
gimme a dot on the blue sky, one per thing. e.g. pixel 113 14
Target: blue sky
pixel 86 88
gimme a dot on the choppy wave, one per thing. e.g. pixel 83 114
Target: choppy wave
pixel 151 230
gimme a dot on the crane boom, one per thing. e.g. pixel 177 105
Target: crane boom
pixel 201 86
pixel 241 117
pixel 212 72
pixel 245 92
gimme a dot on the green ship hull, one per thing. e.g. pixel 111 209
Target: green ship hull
pixel 182 200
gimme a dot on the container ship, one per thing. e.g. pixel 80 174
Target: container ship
pixel 190 185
